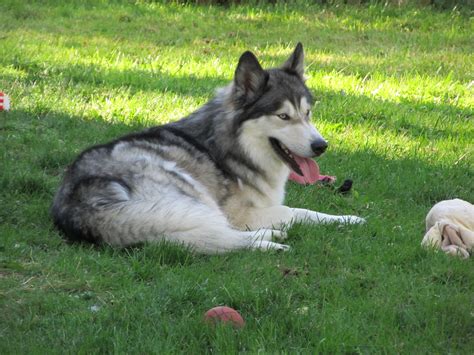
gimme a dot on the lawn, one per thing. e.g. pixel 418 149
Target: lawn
pixel 395 98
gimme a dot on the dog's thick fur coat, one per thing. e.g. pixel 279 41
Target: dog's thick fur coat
pixel 214 180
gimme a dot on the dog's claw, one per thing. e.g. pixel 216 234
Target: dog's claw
pixel 283 247
pixel 266 245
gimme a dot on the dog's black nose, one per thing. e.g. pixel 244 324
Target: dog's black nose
pixel 319 146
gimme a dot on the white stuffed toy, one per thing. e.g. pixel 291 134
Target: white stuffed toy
pixel 450 227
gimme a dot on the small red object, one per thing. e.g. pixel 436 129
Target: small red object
pixel 4 102
pixel 224 315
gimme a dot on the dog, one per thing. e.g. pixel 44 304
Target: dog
pixel 214 180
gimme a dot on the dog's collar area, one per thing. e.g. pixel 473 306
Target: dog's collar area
pixel 286 155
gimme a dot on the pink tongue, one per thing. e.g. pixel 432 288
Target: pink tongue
pixel 310 171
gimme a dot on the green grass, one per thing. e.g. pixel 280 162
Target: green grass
pixel 396 100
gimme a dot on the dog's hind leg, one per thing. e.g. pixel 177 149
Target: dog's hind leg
pixel 218 237
pixel 185 220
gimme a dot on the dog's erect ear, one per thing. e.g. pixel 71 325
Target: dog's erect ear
pixel 250 78
pixel 295 63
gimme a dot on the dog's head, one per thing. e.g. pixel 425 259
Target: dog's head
pixel 275 106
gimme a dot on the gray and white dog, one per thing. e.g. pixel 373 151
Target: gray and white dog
pixel 214 180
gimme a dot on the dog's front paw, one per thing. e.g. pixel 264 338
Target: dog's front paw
pixel 354 220
pixel 266 245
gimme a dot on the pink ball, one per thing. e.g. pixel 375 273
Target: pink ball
pixel 225 315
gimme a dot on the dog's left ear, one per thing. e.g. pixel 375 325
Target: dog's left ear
pixel 295 64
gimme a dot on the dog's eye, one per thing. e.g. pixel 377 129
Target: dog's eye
pixel 308 113
pixel 284 116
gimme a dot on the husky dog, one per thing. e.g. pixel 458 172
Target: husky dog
pixel 214 181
